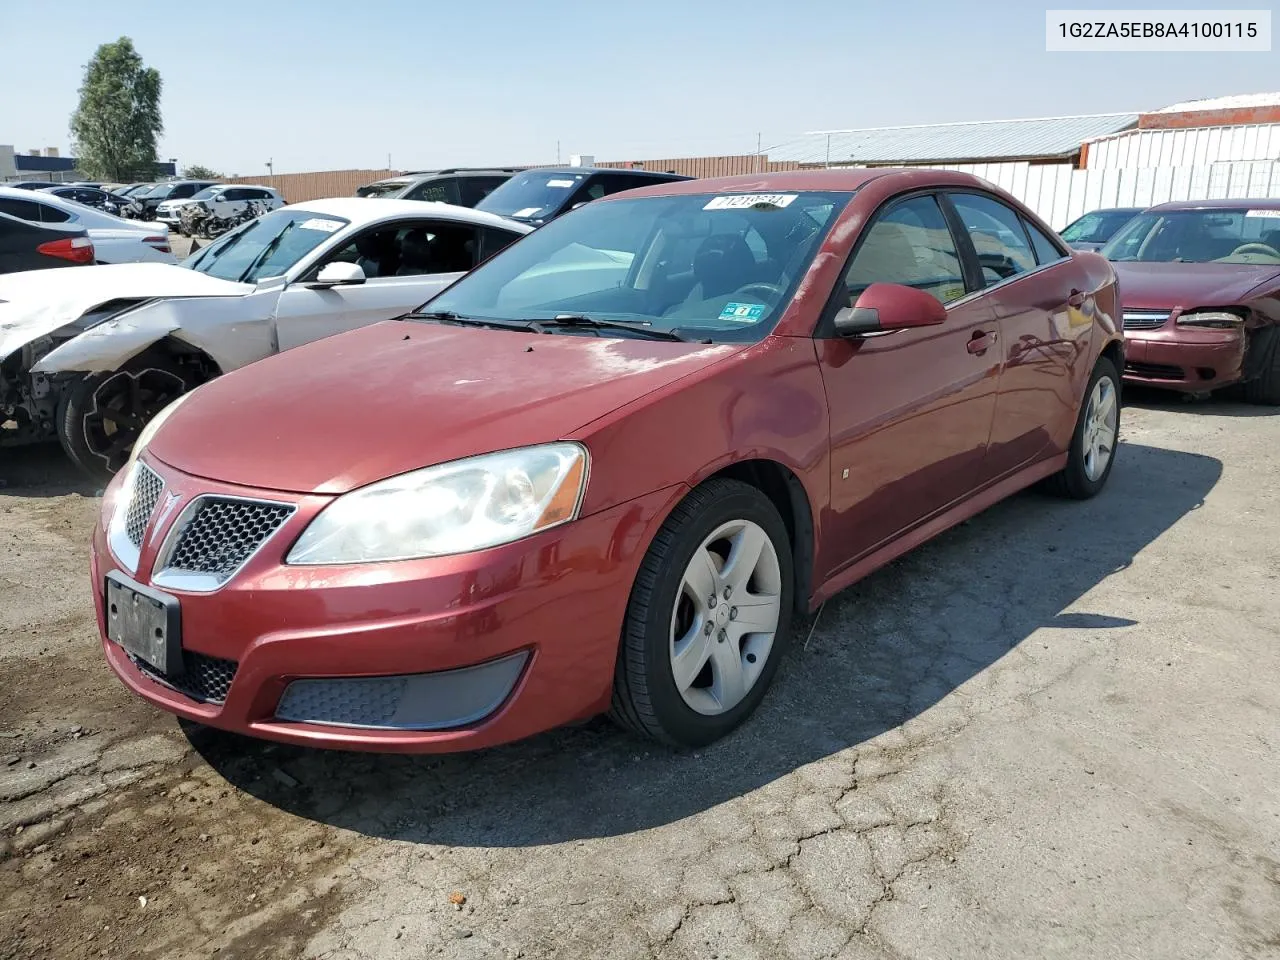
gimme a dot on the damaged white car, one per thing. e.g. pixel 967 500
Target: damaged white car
pixel 90 355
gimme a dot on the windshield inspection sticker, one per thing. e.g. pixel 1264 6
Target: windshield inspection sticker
pixel 526 212
pixel 758 200
pixel 1272 214
pixel 560 183
pixel 742 312
pixel 317 223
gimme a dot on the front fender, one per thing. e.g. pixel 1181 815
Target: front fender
pixel 233 331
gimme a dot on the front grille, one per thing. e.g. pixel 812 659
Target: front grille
pixel 1155 371
pixel 147 486
pixel 206 679
pixel 223 533
pixel 1145 319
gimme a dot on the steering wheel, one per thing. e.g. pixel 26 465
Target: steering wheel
pixel 1265 249
pixel 767 291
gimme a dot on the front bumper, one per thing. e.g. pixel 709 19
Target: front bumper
pixel 168 216
pixel 1189 359
pixel 547 610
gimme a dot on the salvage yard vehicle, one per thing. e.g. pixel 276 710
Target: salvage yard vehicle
pixel 151 199
pixel 1095 228
pixel 222 202
pixel 39 246
pixel 1200 282
pixel 539 196
pixel 91 357
pixel 463 186
pixel 601 471
pixel 115 240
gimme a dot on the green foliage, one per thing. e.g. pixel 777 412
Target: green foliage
pixel 197 171
pixel 117 124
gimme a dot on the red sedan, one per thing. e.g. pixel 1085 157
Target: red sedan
pixel 600 472
pixel 1200 284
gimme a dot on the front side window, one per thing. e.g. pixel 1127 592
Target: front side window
pixel 1045 249
pixel 267 247
pixel 1211 235
pixel 407 251
pixel 997 235
pixel 703 266
pixel 910 244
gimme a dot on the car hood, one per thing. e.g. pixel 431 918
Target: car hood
pixel 382 400
pixel 34 303
pixel 1166 286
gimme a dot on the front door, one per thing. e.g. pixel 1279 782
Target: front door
pixel 910 411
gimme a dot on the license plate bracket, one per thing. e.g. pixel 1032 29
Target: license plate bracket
pixel 145 622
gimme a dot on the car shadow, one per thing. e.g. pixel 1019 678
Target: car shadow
pixel 1220 404
pixel 42 470
pixel 880 653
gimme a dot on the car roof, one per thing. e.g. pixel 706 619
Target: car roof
pixel 656 175
pixel 1246 203
pixel 361 210
pixel 799 181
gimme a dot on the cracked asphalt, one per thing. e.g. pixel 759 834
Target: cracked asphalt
pixel 1053 732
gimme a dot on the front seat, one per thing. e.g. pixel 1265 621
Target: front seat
pixel 886 256
pixel 722 264
pixel 415 254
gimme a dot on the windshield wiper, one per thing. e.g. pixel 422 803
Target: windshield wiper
pixel 567 320
pixel 448 316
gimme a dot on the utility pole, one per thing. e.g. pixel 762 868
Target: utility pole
pixel 557 153
pixel 759 163
pixel 388 163
pixel 271 173
pixel 828 151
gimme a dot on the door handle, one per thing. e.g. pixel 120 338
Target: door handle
pixel 1076 299
pixel 981 341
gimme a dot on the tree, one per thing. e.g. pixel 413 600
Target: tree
pixel 198 172
pixel 115 128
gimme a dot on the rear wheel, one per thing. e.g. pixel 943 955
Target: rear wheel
pixel 101 415
pixel 1265 387
pixel 708 619
pixel 1093 445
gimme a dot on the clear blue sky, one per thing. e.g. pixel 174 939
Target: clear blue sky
pixel 326 84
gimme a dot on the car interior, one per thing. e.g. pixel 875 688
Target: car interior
pixel 411 251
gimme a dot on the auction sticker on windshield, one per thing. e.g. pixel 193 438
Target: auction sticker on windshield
pixel 317 223
pixel 742 312
pixel 560 183
pixel 1273 214
pixel 750 200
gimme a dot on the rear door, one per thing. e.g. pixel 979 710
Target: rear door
pixel 1029 286
pixel 406 264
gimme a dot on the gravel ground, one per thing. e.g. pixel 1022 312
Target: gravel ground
pixel 1054 732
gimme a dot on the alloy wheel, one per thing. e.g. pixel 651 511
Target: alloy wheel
pixel 1101 421
pixel 725 617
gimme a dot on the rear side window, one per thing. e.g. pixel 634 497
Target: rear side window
pixel 444 191
pixel 998 238
pixel 22 209
pixel 1046 250
pixel 492 240
pixel 911 244
pixel 475 189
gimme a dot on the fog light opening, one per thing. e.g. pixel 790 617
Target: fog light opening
pixel 1206 373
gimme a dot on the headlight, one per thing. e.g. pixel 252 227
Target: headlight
pixel 149 431
pixel 455 507
pixel 1210 318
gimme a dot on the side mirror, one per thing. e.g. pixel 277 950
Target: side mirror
pixel 338 274
pixel 883 307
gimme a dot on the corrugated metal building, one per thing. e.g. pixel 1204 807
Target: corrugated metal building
pixel 1045 139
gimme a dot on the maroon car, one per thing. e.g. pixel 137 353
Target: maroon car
pixel 1200 286
pixel 601 471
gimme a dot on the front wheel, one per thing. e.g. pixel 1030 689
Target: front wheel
pixel 101 415
pixel 1265 387
pixel 708 620
pixel 1097 433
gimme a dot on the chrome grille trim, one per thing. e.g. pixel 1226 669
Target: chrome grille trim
pixel 128 527
pixel 1145 319
pixel 214 537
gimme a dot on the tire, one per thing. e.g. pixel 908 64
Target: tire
pixel 99 445
pixel 1074 480
pixel 1265 387
pixel 646 698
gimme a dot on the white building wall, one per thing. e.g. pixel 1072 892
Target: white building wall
pixel 1191 147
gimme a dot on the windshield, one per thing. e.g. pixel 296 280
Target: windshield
pixel 206 193
pixel 159 190
pixel 532 195
pixel 1218 235
pixel 1097 227
pixel 384 189
pixel 266 247
pixel 704 266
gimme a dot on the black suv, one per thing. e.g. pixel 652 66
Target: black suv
pixel 461 186
pixel 168 190
pixel 537 196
